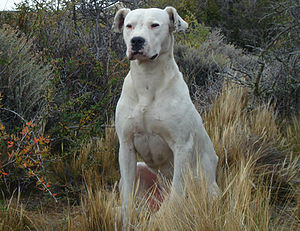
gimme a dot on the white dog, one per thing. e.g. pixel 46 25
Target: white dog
pixel 155 116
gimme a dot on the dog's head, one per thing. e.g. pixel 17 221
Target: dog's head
pixel 148 32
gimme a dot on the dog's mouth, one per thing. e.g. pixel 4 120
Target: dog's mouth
pixel 154 57
pixel 135 54
pixel 140 55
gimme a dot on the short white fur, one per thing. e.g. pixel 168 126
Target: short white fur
pixel 155 116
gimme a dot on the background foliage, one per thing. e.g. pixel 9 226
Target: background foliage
pixel 61 72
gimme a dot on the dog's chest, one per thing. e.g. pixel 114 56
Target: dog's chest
pixel 148 131
pixel 144 118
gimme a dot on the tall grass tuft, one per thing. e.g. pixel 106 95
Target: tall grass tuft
pixel 94 164
pixel 98 211
pixel 13 216
pixel 240 133
pixel 238 207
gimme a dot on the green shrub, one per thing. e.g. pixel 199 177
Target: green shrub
pixel 24 77
pixel 196 35
pixel 86 63
pixel 241 21
pixel 204 66
pixel 268 30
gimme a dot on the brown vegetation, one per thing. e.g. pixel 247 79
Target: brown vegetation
pixel 252 175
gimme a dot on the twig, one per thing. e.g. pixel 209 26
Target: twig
pixel 15 113
pixel 258 79
pixel 5 109
pixel 45 186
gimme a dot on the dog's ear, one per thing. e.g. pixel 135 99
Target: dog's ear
pixel 176 22
pixel 119 20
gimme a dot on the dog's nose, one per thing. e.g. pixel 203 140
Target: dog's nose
pixel 137 43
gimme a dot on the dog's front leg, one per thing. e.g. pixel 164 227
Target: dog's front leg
pixel 180 164
pixel 127 162
pixel 183 155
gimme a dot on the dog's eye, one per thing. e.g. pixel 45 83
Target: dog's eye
pixel 155 25
pixel 129 26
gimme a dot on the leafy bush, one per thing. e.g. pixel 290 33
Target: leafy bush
pixel 76 38
pixel 211 62
pixel 242 22
pixel 22 163
pixel 206 65
pixel 24 83
pixel 267 29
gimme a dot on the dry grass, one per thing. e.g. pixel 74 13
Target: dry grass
pixel 98 211
pixel 238 134
pixel 258 165
pixel 13 217
pixel 94 164
pixel 238 208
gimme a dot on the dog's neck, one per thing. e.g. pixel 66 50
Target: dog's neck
pixel 151 77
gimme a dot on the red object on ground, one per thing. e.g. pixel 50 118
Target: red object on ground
pixel 149 186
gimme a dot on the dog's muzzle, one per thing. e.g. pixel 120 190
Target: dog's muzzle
pixel 137 49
